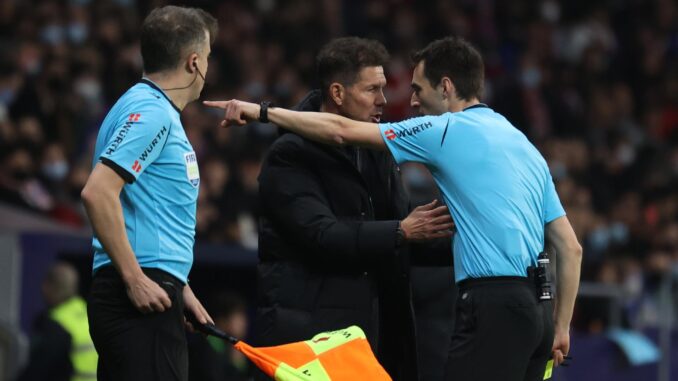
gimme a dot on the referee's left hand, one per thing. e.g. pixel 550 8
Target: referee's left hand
pixel 193 305
pixel 561 345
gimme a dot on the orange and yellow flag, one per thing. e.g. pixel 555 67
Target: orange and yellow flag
pixel 343 355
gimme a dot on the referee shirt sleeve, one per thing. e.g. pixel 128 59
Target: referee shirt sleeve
pixel 137 141
pixel 552 206
pixel 416 139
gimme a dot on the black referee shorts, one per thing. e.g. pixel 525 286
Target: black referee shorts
pixel 502 332
pixel 131 345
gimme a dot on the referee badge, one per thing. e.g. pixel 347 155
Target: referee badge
pixel 192 171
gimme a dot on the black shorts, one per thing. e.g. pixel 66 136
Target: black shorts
pixel 502 332
pixel 135 346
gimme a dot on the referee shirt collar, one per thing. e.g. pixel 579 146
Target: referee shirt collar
pixel 153 85
pixel 477 105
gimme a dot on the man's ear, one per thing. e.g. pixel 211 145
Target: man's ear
pixel 337 93
pixel 449 91
pixel 192 62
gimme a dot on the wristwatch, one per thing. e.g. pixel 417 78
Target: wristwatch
pixel 400 236
pixel 263 111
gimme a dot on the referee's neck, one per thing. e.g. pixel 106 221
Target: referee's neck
pixel 180 94
pixel 462 104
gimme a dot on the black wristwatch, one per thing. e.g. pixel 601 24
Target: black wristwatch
pixel 400 236
pixel 263 111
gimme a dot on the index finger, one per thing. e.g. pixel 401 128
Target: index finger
pixel 428 206
pixel 217 104
pixel 439 210
pixel 208 317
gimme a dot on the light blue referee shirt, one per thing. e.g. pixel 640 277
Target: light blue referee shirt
pixel 143 140
pixel 494 181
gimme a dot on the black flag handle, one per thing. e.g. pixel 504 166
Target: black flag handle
pixel 209 328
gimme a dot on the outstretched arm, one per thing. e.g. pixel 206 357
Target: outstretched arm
pixel 318 126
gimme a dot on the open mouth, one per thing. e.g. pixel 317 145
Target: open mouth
pixel 376 118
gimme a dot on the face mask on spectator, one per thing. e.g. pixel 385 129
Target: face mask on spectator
pixel 255 90
pixel 558 170
pixel 55 171
pixel 530 77
pixel 7 95
pixel 626 154
pixel 619 232
pixel 90 89
pixel 77 32
pixel 550 11
pixel 282 90
pixel 53 34
pixel 633 284
pixel 599 240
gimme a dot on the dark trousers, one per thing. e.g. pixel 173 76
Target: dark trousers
pixel 135 346
pixel 502 332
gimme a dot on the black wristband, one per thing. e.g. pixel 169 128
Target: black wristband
pixel 263 111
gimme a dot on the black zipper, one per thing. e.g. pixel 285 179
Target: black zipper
pixel 370 205
pixel 344 156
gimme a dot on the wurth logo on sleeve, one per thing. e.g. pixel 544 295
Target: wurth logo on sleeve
pixel 122 133
pixel 391 134
pixel 151 146
pixel 136 167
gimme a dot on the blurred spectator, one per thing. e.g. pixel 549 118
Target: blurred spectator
pixel 594 84
pixel 61 348
pixel 212 359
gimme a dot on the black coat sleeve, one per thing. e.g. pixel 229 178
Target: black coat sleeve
pixel 296 202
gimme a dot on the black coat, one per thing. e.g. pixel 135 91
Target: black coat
pixel 327 248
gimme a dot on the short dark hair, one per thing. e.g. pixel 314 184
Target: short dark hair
pixel 342 59
pixel 457 59
pixel 167 32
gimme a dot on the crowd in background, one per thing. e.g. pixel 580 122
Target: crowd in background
pixel 594 84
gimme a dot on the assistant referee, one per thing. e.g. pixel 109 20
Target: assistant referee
pixel 141 198
pixel 503 200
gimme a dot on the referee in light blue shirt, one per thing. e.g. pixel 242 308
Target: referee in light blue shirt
pixel 503 201
pixel 141 199
pixel 496 184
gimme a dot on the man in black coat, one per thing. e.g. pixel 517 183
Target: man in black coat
pixel 335 233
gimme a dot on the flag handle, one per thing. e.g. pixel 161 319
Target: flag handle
pixel 209 329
